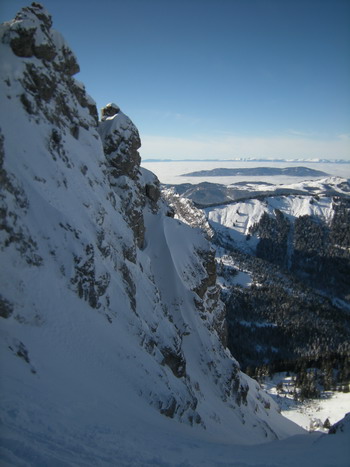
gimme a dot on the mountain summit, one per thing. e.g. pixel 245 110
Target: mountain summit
pixel 112 331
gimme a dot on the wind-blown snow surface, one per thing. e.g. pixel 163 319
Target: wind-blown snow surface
pixel 111 349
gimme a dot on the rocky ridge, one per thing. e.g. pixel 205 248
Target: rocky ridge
pixel 102 289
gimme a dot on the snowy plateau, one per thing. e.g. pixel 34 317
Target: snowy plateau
pixel 113 336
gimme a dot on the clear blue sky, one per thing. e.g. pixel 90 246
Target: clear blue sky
pixel 217 78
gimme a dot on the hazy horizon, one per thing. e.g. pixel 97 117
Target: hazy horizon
pixel 171 172
pixel 225 77
pixel 250 159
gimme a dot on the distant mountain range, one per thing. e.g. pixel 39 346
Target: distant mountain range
pixel 249 159
pixel 258 171
pixel 207 194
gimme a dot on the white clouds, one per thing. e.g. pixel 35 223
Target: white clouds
pixel 301 133
pixel 344 137
pixel 229 146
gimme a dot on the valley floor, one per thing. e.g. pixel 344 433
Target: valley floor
pixel 311 413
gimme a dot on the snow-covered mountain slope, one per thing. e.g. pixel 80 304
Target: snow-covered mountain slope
pixel 206 194
pixel 112 331
pixel 237 219
pixel 308 235
pixel 296 249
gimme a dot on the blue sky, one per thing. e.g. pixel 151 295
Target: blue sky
pixel 217 78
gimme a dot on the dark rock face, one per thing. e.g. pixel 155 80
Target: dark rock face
pixel 85 281
pixel 151 189
pixel 186 210
pixel 121 142
pixel 109 111
pixel 27 41
pixel 210 266
pixel 12 233
pixel 210 305
pixel 153 192
pixel 46 83
pixel 208 301
pixel 23 41
pixel 175 361
pixel 6 308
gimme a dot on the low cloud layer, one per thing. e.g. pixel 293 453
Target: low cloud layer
pixel 231 146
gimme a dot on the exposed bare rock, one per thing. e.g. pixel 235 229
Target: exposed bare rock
pixel 121 142
pixel 109 111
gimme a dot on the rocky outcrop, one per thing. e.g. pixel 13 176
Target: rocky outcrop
pixel 47 79
pixel 208 302
pixel 341 427
pixel 185 210
pixel 135 186
pixel 121 142
pixel 110 110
